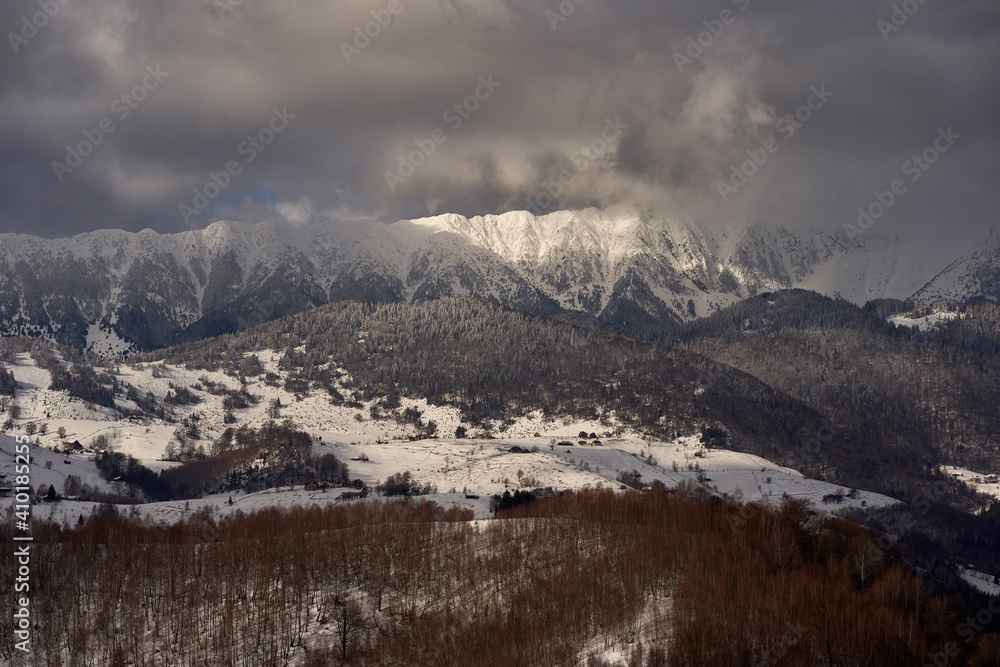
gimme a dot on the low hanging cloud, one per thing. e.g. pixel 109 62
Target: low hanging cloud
pixel 588 103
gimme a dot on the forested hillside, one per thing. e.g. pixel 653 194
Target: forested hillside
pixel 495 364
pixel 927 396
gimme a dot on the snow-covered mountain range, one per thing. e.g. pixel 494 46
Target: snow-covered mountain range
pixel 976 273
pixel 113 290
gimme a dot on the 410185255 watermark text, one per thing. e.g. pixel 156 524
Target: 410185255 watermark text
pixel 22 544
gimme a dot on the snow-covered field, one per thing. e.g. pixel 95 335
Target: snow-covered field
pixel 980 581
pixel 49 468
pixel 455 467
pixel 977 480
pixel 932 321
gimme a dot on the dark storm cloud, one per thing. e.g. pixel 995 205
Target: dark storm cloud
pixel 562 78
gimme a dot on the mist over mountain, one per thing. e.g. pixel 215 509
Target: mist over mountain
pixel 113 291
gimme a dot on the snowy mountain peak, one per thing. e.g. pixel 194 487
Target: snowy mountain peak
pixel 976 273
pixel 622 265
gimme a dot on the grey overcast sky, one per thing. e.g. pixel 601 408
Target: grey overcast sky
pixel 141 102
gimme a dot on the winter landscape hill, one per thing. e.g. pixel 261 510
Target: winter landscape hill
pixel 367 479
pixel 114 291
pixel 265 466
pixel 436 428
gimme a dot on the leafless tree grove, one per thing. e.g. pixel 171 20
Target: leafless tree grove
pixel 674 580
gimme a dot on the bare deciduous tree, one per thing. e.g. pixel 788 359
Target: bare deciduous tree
pixel 348 619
